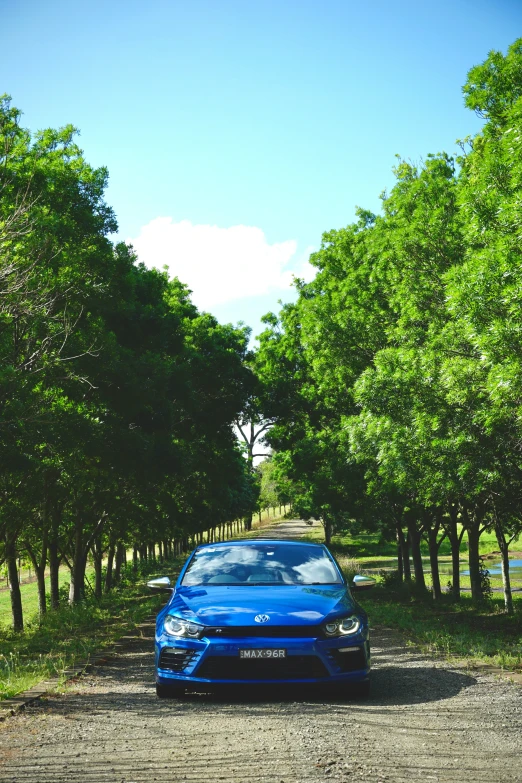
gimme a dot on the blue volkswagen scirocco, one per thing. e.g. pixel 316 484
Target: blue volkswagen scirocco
pixel 261 611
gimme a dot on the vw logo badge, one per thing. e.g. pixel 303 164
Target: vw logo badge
pixel 262 618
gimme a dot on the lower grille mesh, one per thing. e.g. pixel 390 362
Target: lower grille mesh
pixel 293 667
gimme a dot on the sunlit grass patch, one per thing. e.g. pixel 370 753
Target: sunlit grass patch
pixel 461 630
pixel 71 634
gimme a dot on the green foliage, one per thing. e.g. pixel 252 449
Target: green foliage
pixel 496 85
pixel 117 396
pixel 397 374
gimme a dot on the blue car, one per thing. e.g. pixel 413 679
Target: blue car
pixel 261 611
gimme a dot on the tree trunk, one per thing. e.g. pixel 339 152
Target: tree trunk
pixel 120 552
pixel 506 581
pixel 54 573
pixel 14 584
pixel 77 588
pixel 434 561
pixel 404 545
pixel 135 559
pixel 472 524
pixel 248 522
pixel 39 564
pixel 42 592
pixel 97 556
pixel 414 535
pixel 110 562
pixel 54 556
pixel 328 530
pixel 455 539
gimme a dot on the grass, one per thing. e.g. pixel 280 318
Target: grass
pixel 482 634
pixel 29 598
pixel 45 649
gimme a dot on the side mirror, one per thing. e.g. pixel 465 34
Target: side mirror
pixel 162 583
pixel 363 582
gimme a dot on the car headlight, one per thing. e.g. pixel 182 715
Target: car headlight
pixel 346 626
pixel 175 626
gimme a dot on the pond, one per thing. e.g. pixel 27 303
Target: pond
pixel 445 568
pixel 495 569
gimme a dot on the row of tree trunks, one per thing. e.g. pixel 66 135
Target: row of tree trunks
pixel 438 527
pixel 87 542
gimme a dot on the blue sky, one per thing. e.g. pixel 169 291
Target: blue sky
pixel 236 132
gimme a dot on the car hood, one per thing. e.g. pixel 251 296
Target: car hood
pixel 285 605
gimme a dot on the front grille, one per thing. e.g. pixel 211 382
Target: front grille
pixel 270 631
pixel 349 661
pixel 176 659
pixel 293 667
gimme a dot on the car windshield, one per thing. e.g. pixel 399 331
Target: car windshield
pixel 261 564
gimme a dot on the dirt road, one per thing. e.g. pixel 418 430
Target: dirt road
pixel 425 721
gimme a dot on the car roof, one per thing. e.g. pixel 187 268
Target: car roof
pixel 264 541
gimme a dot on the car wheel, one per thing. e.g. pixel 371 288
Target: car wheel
pixel 169 691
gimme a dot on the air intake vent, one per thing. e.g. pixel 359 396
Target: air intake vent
pixel 349 660
pixel 176 659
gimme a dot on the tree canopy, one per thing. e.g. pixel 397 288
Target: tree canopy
pixel 117 396
pixel 397 373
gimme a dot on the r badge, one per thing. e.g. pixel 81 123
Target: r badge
pixel 262 618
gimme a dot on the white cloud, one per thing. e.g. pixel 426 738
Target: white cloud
pixel 220 264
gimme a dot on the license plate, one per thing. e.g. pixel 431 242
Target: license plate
pixel 262 653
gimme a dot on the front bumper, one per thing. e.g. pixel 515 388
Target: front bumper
pixel 308 660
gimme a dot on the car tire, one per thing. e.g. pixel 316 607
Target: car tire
pixel 169 691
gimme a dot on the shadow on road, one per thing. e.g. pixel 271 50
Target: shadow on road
pixel 391 686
